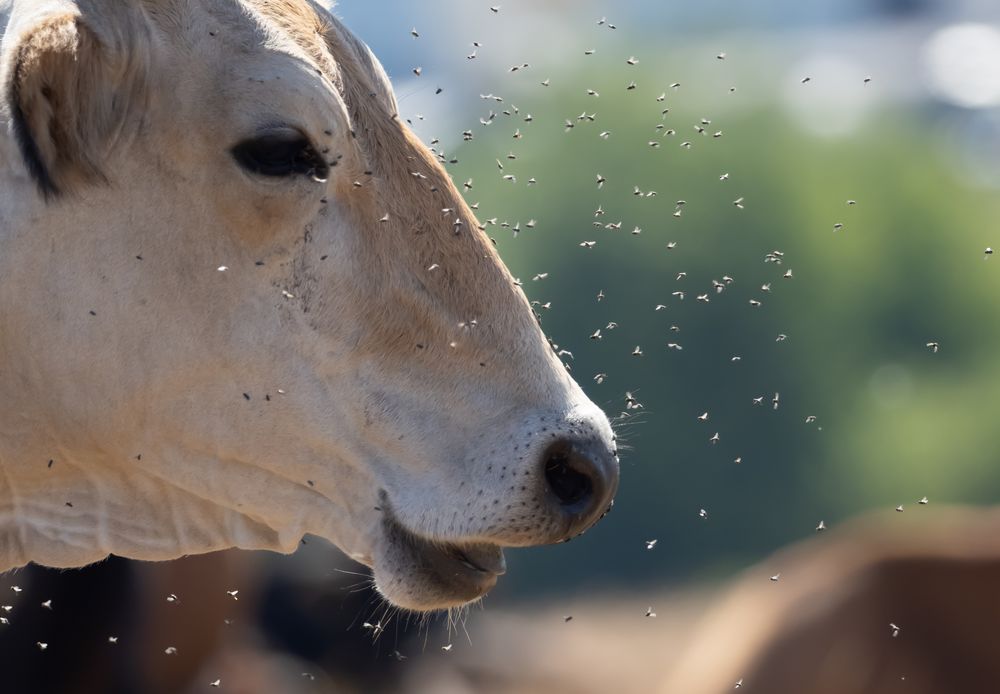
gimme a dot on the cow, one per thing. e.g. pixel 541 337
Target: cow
pixel 240 302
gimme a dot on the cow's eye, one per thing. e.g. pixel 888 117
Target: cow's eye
pixel 281 153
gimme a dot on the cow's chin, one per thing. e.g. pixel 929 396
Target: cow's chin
pixel 421 574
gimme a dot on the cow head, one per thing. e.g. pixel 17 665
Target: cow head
pixel 240 302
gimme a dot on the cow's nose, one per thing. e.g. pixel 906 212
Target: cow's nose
pixel 581 477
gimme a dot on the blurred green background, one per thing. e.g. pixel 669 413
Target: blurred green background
pixel 895 420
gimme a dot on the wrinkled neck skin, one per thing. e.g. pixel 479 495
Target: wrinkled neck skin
pixel 85 507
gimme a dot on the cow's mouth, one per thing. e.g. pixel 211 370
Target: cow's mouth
pixel 425 574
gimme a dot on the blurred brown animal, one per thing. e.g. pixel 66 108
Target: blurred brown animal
pixel 886 604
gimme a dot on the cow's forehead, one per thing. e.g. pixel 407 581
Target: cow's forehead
pixel 304 28
pixel 315 33
pixel 241 26
pixel 233 66
pixel 299 22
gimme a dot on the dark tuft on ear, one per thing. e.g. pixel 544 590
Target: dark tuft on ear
pixel 26 143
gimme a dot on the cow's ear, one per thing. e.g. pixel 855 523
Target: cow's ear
pixel 73 87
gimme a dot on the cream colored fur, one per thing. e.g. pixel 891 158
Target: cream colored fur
pixel 186 409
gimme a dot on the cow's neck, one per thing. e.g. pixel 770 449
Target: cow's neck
pixel 68 497
pixel 66 510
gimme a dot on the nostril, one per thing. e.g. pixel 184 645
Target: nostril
pixel 566 473
pixel 580 479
